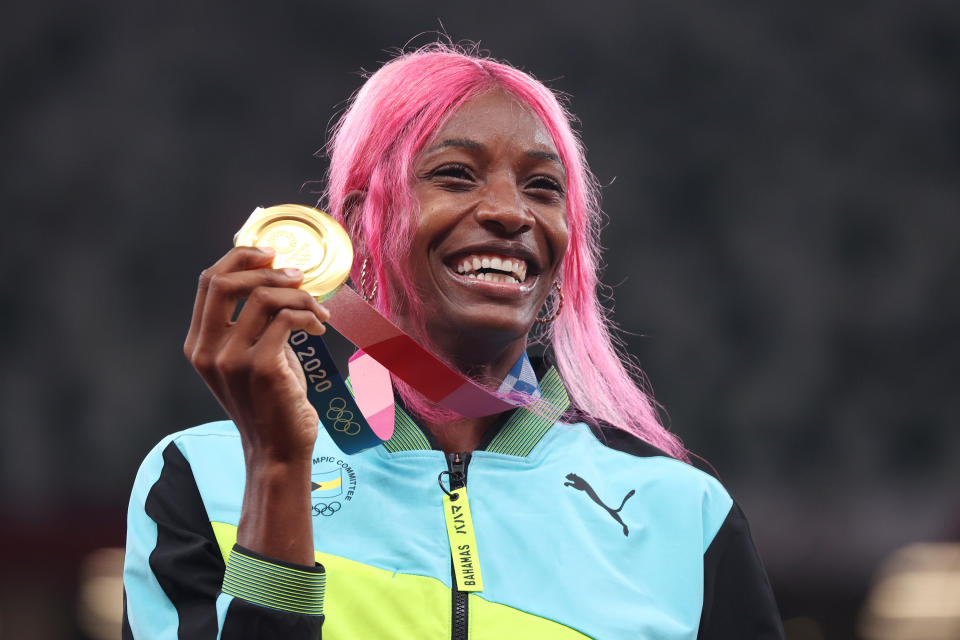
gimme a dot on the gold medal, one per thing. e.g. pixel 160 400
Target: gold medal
pixel 304 238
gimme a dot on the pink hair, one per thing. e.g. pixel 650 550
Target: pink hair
pixel 372 149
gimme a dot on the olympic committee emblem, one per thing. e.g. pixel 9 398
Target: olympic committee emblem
pixel 333 483
pixel 327 484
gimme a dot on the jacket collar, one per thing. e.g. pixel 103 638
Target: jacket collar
pixel 517 435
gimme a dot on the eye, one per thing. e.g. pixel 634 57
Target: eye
pixel 454 176
pixel 545 187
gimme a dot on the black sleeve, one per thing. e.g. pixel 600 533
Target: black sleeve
pixel 172 582
pixel 738 601
pixel 247 620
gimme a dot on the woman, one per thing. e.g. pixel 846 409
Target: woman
pixel 470 205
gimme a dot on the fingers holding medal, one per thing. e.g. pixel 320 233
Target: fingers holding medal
pixel 247 362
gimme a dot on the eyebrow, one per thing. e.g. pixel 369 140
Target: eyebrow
pixel 473 145
pixel 466 143
pixel 545 155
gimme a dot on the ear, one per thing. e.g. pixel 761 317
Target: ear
pixel 352 208
pixel 352 205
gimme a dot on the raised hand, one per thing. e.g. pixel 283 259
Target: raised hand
pixel 256 377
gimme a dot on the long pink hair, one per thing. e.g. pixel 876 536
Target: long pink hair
pixel 372 149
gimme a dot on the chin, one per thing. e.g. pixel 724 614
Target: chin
pixel 489 323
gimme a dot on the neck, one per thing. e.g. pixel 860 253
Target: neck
pixel 461 436
pixel 486 357
pixel 486 362
pixel 465 434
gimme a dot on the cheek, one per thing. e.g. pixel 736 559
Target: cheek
pixel 562 236
pixel 431 227
pixel 422 230
pixel 439 215
pixel 558 236
pixel 424 235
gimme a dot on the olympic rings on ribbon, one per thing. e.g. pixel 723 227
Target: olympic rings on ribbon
pixel 342 417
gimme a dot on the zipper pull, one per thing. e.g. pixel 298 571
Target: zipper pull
pixel 458 470
pixel 460 532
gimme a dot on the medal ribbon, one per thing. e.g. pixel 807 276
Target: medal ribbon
pixel 313 241
pixel 383 346
pixel 328 393
pixel 355 319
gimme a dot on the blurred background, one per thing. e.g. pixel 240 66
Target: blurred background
pixel 781 182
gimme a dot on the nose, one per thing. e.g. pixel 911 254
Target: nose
pixel 502 208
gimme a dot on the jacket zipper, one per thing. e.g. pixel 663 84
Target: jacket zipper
pixel 457 464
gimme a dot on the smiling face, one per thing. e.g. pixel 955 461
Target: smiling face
pixel 492 229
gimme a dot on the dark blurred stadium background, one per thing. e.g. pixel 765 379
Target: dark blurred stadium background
pixel 783 194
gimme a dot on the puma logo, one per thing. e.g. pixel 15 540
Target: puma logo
pixel 578 483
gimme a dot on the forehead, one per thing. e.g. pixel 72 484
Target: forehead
pixel 497 116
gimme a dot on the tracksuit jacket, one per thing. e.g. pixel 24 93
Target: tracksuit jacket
pixel 582 531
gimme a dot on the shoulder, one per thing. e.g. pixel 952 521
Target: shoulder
pixel 218 429
pixel 672 486
pixel 210 434
pixel 188 446
pixel 608 440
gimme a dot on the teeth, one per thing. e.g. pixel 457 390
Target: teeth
pixel 516 269
pixel 495 277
